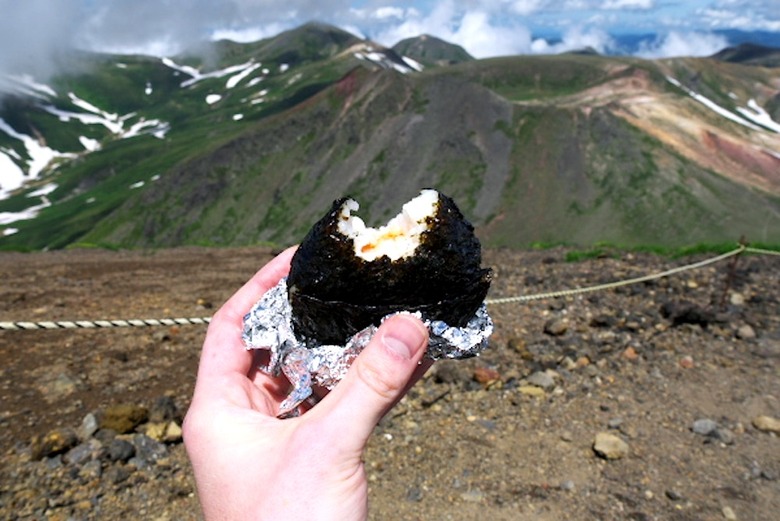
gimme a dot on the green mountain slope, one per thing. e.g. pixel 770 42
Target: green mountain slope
pixel 252 142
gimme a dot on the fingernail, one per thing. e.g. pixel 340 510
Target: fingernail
pixel 403 337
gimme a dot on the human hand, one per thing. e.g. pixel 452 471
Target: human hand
pixel 249 464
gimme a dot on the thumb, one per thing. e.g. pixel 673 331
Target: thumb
pixel 377 379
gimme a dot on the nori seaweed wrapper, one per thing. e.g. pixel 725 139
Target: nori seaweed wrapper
pixel 334 293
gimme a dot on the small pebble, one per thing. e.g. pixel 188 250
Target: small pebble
pixel 746 332
pixel 704 427
pixel 541 379
pixel 567 485
pixel 610 446
pixel 686 362
pixel 767 424
pixel 673 494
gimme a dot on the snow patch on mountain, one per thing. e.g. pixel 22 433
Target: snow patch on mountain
pixel 15 170
pixel 384 59
pixel 712 105
pixel 114 123
pixel 757 114
pixel 28 213
pixel 197 76
pixel 238 78
pixel 11 175
pixel 90 145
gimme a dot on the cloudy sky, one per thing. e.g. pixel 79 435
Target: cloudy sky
pixel 32 32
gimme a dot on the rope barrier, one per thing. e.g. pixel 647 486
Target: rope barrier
pixel 100 324
pixel 152 322
pixel 749 249
pixel 617 284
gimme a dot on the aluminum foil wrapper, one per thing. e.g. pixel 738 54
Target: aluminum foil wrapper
pixel 268 326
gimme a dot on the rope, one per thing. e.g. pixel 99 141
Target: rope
pixel 99 324
pixel 151 322
pixel 750 249
pixel 617 284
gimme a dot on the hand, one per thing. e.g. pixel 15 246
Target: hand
pixel 248 464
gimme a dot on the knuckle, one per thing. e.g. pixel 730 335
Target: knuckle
pixel 378 380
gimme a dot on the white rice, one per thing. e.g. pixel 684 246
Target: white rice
pixel 397 239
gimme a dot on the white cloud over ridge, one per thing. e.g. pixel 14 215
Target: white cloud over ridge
pixel 34 32
pixel 676 44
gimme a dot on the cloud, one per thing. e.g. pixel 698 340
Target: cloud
pixel 576 39
pixel 749 19
pixel 474 29
pixel 642 5
pixel 32 33
pixel 678 44
pixel 527 7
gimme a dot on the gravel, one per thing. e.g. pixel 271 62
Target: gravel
pixel 508 435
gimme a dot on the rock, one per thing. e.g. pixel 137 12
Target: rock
pixel 729 514
pixel 156 430
pixel 149 450
pixel 686 313
pixel 89 426
pixel 486 375
pixel 737 299
pixel 724 435
pixel 83 452
pixel 451 372
pixel 767 424
pixel 473 496
pixel 556 327
pixel 746 332
pixel 630 353
pixel 686 362
pixel 609 446
pixel 117 474
pixel 674 495
pixel 603 320
pixel 120 450
pixel 55 442
pixel 105 435
pixel 519 346
pixel 123 418
pixel 541 379
pixel 531 390
pixel 91 470
pixel 59 387
pixel 414 494
pixel 173 433
pixel 163 410
pixel 704 427
pixel 711 429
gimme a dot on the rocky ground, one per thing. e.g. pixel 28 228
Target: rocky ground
pixel 657 401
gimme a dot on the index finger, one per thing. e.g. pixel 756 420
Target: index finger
pixel 223 350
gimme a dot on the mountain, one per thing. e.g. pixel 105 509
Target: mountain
pixel 750 54
pixel 250 143
pixel 431 51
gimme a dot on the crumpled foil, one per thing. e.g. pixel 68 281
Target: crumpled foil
pixel 268 326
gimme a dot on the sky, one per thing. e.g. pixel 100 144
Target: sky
pixel 34 33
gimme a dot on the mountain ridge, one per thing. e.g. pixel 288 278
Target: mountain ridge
pixel 254 143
